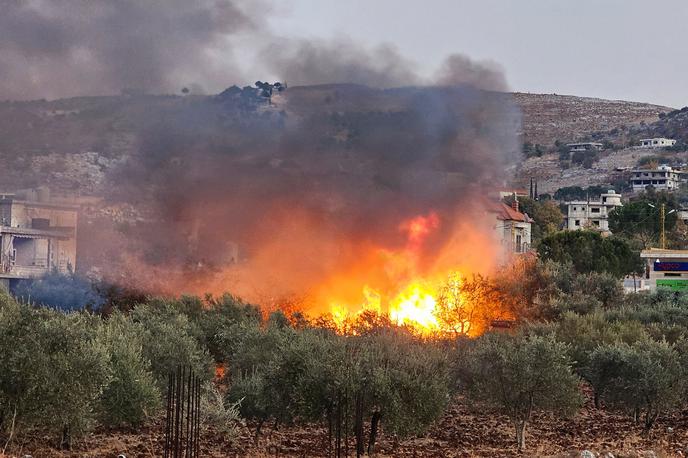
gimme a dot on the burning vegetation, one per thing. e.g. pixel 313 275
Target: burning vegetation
pixel 339 199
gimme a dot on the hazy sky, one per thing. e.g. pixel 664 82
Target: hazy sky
pixel 615 49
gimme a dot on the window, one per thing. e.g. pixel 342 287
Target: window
pixel 594 210
pixel 596 223
pixel 518 243
pixel 577 222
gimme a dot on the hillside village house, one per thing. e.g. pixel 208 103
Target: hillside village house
pixel 512 228
pixel 660 142
pixel 587 146
pixel 663 178
pixel 37 235
pixel 592 214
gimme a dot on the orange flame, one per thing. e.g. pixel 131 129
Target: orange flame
pixel 409 298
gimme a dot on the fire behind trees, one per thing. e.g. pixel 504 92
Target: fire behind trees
pixel 67 372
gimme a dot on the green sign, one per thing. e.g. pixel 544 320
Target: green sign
pixel 675 285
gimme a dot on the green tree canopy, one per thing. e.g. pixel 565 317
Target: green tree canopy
pixel 588 251
pixel 639 220
pixel 520 375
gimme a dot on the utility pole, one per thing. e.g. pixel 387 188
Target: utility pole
pixel 662 218
pixel 662 235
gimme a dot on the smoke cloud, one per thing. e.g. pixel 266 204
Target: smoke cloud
pixel 92 47
pixel 301 62
pixel 319 189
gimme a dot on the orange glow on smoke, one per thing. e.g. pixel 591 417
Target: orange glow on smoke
pixel 418 265
pixel 409 295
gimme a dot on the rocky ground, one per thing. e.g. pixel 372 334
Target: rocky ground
pixel 550 117
pixel 551 176
pixel 464 431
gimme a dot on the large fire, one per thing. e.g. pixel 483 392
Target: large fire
pixel 430 302
pixel 419 273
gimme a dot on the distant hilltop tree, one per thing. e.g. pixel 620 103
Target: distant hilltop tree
pixel 250 96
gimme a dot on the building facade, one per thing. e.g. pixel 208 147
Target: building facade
pixel 37 235
pixel 666 269
pixel 660 142
pixel 663 178
pixel 592 214
pixel 512 228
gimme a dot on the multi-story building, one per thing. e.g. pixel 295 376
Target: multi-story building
pixel 37 235
pixel 659 142
pixel 592 214
pixel 663 178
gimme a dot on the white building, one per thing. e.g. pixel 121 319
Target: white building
pixel 659 142
pixel 663 178
pixel 512 228
pixel 592 214
pixel 666 269
pixel 587 146
pixel 37 235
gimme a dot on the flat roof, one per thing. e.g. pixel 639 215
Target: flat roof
pixel 660 253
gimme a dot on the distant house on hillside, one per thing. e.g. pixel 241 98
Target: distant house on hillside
pixel 592 214
pixel 659 142
pixel 37 235
pixel 587 146
pixel 663 178
pixel 513 228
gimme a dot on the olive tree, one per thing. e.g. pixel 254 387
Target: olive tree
pixel 522 374
pixel 131 394
pixel 645 378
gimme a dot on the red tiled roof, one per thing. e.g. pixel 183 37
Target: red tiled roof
pixel 506 213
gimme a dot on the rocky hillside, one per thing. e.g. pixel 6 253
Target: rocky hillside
pixel 71 144
pixel 551 117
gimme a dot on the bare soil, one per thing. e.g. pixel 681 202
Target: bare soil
pixel 463 431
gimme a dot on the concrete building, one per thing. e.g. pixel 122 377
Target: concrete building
pixel 666 269
pixel 587 146
pixel 663 178
pixel 512 228
pixel 592 214
pixel 37 235
pixel 659 142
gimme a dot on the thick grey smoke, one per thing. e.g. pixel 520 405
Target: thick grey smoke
pixel 300 62
pixel 296 188
pixel 458 69
pixel 92 47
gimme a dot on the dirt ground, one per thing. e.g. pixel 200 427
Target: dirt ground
pixel 463 431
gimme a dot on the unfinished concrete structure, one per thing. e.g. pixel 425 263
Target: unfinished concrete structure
pixel 37 235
